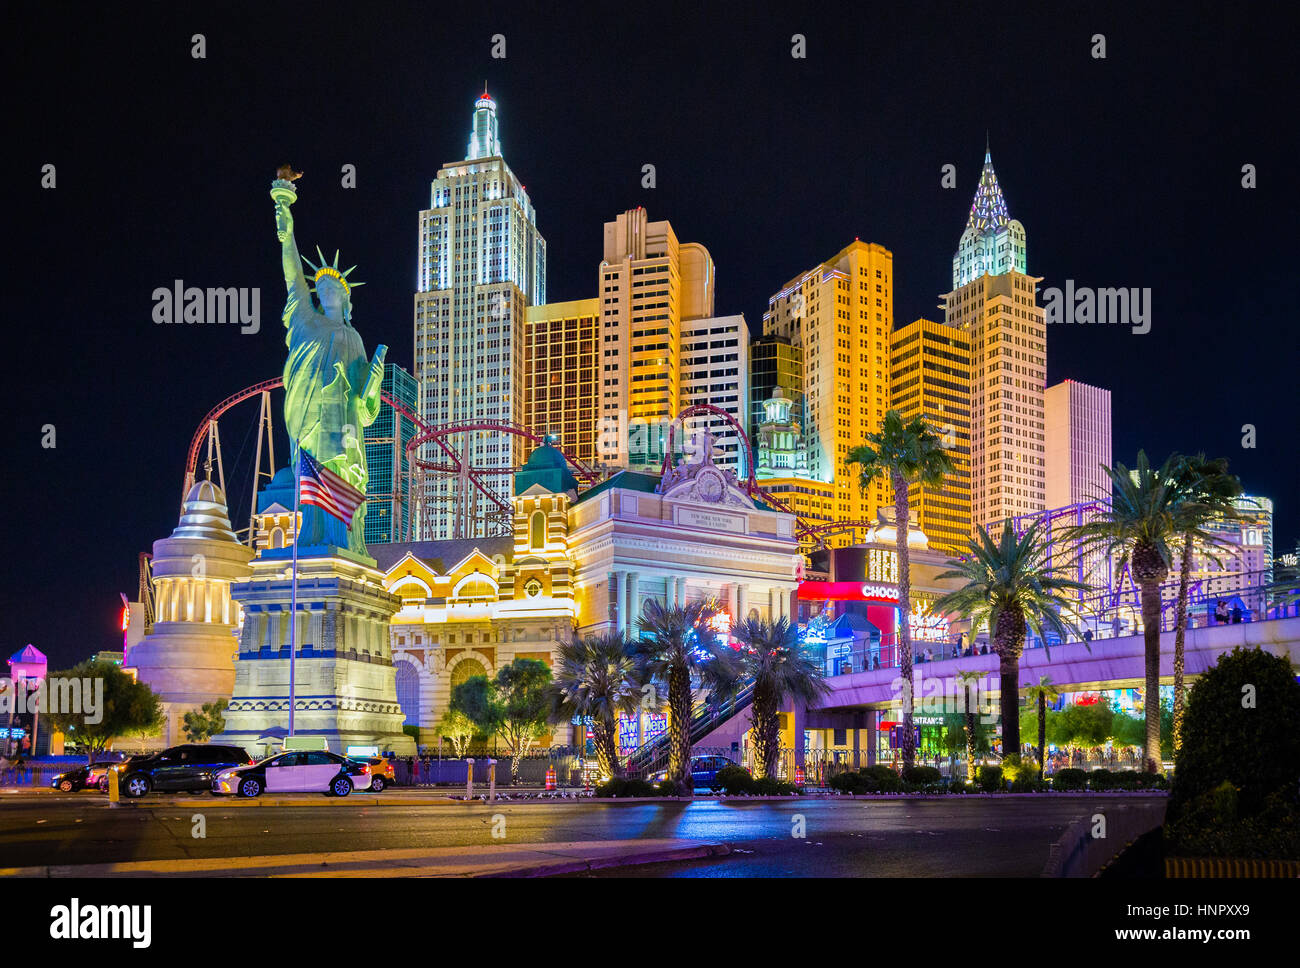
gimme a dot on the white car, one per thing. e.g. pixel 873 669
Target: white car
pixel 297 771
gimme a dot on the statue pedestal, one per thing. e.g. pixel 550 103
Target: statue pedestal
pixel 346 687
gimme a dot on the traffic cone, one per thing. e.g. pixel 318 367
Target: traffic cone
pixel 550 777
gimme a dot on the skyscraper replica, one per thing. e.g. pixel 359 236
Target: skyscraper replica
pixel 930 378
pixel 993 302
pixel 482 262
pixel 562 375
pixel 1078 443
pixel 839 315
pixel 389 514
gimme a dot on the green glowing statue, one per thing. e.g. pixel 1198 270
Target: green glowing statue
pixel 331 393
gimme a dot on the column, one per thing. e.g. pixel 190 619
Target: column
pixel 857 741
pixel 620 601
pixel 772 605
pixel 633 601
pixel 681 591
pixel 872 739
pixel 742 602
pixel 800 714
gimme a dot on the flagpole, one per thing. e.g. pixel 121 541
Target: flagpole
pixel 293 606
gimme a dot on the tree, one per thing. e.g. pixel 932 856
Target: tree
pixel 973 733
pixel 513 705
pixel 678 643
pixel 1010 588
pixel 772 658
pixel 1087 725
pixel 906 453
pixel 200 725
pixel 1207 493
pixel 1241 727
pixel 1040 695
pixel 1140 524
pixel 128 708
pixel 457 728
pixel 599 678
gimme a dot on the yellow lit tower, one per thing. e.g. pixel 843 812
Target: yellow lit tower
pixel 994 303
pixel 930 378
pixel 839 314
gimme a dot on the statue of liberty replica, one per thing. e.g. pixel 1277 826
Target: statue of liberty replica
pixel 331 394
pixel 315 669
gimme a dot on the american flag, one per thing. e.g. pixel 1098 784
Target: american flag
pixel 322 487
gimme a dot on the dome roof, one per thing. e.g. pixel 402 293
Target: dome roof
pixel 204 514
pixel 548 467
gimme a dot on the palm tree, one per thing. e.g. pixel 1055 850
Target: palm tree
pixel 1041 694
pixel 1209 492
pixel 676 644
pixel 598 678
pixel 969 678
pixel 1012 588
pixel 1140 523
pixel 906 453
pixel 771 657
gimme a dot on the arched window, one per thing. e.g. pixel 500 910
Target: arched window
pixel 466 669
pixel 277 538
pixel 537 530
pixel 408 691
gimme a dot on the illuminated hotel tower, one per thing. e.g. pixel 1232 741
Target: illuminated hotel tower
pixel 482 263
pixel 649 283
pixel 993 301
pixel 840 315
pixel 930 379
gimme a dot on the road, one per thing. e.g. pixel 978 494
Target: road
pixel 952 836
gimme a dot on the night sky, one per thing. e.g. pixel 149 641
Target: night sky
pixel 1125 172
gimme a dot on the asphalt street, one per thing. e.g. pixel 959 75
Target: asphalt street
pixel 850 838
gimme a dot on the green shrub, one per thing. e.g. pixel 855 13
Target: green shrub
pixel 923 777
pixel 621 787
pixel 733 780
pixel 1070 779
pixel 1100 779
pixel 1212 825
pixel 880 779
pixel 1255 746
pixel 847 783
pixel 770 786
pixel 959 786
pixel 1151 781
pixel 666 788
pixel 989 778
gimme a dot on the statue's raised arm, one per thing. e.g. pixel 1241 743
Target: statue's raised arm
pixel 284 195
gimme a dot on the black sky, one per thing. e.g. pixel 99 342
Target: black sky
pixel 1125 172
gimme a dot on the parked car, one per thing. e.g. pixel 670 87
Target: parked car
pixel 704 770
pixel 188 768
pixel 88 776
pixel 382 774
pixel 296 771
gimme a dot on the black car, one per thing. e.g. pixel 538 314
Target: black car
pixel 91 776
pixel 190 767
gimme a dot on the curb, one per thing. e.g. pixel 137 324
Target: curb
pixel 631 860
pixel 1230 867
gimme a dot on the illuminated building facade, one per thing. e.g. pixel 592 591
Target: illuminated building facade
pixel 482 262
pixel 994 303
pixel 388 515
pixel 930 367
pixel 774 362
pixel 840 315
pixel 715 370
pixel 584 563
pixel 1078 431
pixel 649 282
pixel 562 374
pixel 189 657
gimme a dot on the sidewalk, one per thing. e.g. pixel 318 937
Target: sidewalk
pixel 523 860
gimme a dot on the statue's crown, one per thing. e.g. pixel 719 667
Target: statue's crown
pixel 325 269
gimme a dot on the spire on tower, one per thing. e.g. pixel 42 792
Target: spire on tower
pixel 989 209
pixel 484 139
